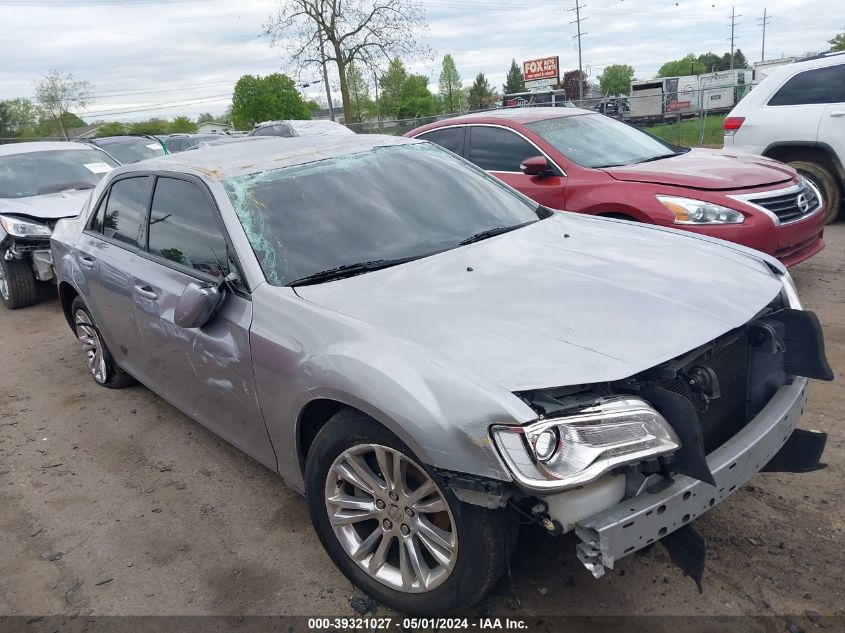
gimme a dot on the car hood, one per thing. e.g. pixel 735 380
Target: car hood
pixel 51 206
pixel 568 300
pixel 707 169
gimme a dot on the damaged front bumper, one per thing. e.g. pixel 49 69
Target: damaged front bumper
pixel 637 522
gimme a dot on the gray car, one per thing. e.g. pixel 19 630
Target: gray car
pixel 430 356
pixel 40 183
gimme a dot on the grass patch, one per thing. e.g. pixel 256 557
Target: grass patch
pixel 688 132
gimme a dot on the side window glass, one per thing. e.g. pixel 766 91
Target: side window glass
pixel 96 223
pixel 451 138
pixel 495 149
pixel 822 85
pixel 126 211
pixel 184 228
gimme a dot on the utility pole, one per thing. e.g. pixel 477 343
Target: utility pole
pixel 326 77
pixel 734 16
pixel 378 105
pixel 763 22
pixel 578 19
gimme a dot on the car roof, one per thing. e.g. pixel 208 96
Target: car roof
pixel 238 159
pixel 121 139
pixel 41 146
pixel 520 115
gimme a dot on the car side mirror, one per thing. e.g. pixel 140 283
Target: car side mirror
pixel 196 306
pixel 536 166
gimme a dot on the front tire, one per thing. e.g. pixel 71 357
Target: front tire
pixel 826 182
pixel 98 358
pixel 392 528
pixel 17 283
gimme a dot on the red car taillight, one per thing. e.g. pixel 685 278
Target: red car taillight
pixel 732 124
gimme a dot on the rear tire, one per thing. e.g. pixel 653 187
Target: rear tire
pixel 100 362
pixel 452 579
pixel 825 181
pixel 18 287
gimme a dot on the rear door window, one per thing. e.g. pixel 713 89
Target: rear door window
pixel 184 228
pixel 497 149
pixel 451 138
pixel 821 85
pixel 124 213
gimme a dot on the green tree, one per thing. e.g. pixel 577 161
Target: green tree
pixel 341 33
pixel 152 126
pixel 575 88
pixel 183 125
pixel 359 95
pixel 405 96
pixel 713 62
pixel 838 42
pixel 450 88
pixel 21 117
pixel 687 65
pixel 112 128
pixel 58 93
pixel 205 117
pixel 515 80
pixel 480 94
pixel 269 98
pixel 392 82
pixel 616 80
pixel 739 59
pixel 60 127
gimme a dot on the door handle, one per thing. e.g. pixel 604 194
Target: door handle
pixel 87 262
pixel 837 113
pixel 146 292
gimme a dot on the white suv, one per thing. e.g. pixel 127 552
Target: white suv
pixel 797 115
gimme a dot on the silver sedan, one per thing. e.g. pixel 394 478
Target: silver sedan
pixel 427 355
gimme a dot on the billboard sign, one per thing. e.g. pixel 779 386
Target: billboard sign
pixel 545 68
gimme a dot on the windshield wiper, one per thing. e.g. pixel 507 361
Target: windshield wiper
pixel 483 235
pixel 658 157
pixel 350 270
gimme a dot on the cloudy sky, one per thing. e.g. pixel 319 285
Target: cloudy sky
pixel 165 57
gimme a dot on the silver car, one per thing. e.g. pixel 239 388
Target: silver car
pixel 429 356
pixel 40 182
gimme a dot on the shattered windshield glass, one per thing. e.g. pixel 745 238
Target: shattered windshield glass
pixel 385 204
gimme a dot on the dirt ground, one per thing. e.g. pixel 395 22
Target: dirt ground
pixel 114 503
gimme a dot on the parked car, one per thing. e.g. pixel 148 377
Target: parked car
pixel 180 142
pixel 292 127
pixel 130 149
pixel 797 115
pixel 39 183
pixel 427 358
pixel 582 161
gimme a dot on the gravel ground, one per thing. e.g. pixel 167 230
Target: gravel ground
pixel 114 503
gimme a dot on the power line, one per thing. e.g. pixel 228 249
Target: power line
pixel 150 107
pixel 763 22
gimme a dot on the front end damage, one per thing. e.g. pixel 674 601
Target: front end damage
pixel 27 239
pixel 639 459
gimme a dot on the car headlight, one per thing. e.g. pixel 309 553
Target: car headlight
pixel 790 291
pixel 689 211
pixel 564 452
pixel 18 227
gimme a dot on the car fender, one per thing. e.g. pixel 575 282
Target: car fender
pixel 441 410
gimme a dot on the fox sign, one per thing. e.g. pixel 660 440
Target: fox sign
pixel 545 68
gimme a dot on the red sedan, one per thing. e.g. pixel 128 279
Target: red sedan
pixel 567 158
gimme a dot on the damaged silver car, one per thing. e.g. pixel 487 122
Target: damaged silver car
pixel 39 183
pixel 427 354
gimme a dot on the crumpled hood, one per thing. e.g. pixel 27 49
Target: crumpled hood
pixel 569 300
pixel 707 169
pixel 51 206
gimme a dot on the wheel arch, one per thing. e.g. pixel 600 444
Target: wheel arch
pixel 788 151
pixel 67 293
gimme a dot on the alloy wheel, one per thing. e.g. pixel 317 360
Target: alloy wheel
pixel 391 518
pixel 92 347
